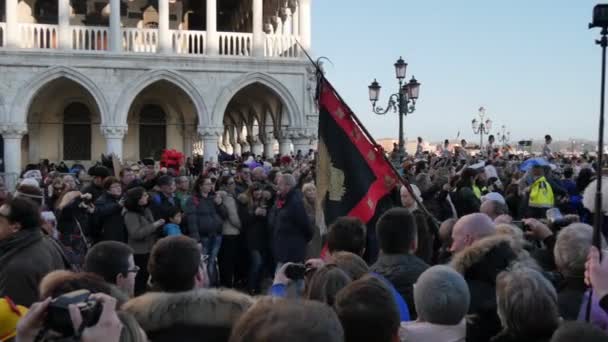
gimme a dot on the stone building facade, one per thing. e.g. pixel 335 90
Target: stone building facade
pixel 132 77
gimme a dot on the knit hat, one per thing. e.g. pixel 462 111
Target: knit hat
pixel 441 296
pixel 9 316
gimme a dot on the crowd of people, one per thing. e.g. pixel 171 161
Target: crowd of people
pixel 487 247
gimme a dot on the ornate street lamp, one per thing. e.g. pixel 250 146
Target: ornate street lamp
pixel 402 102
pixel 481 127
pixel 503 136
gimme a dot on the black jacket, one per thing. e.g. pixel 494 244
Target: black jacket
pixel 466 202
pixel 570 297
pixel 291 228
pixel 402 270
pixel 480 264
pixel 94 190
pixel 108 220
pixel 203 217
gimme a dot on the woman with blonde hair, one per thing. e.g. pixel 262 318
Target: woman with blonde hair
pixel 316 218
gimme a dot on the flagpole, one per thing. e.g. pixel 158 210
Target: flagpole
pixel 404 182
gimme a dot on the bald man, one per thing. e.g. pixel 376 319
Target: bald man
pixel 494 209
pixel 469 229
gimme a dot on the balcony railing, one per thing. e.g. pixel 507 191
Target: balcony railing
pixel 89 38
pixel 146 40
pixel 38 36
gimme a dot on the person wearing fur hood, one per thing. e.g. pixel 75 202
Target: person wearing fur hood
pixel 480 264
pixel 180 308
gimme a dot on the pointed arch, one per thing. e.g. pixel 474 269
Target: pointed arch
pixel 287 99
pixel 144 80
pixel 27 93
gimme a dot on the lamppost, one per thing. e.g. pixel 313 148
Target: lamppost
pixel 399 102
pixel 503 136
pixel 481 127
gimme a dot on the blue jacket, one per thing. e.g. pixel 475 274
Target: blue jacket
pixel 171 229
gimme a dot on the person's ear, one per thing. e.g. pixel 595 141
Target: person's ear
pixel 120 278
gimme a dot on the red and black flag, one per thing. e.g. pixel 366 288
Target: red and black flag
pixel 354 178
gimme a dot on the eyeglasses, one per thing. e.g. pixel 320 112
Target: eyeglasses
pixel 134 269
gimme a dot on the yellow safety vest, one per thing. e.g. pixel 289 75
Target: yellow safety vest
pixel 478 192
pixel 541 194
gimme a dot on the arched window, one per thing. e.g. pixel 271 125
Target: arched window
pixel 152 131
pixel 76 132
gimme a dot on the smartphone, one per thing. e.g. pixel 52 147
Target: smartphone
pixel 295 271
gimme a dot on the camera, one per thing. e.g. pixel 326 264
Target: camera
pixel 295 271
pixel 58 315
pixel 600 16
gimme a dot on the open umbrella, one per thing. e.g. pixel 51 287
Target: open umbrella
pixel 532 162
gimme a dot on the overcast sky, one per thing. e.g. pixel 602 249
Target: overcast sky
pixel 532 64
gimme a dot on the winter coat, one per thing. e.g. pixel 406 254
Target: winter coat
pixel 108 219
pixel 141 230
pixel 480 264
pixel 24 260
pixel 466 202
pixel 94 190
pixel 570 297
pixel 402 270
pixel 192 316
pixel 428 332
pixel 291 228
pixel 161 205
pixel 203 217
pixel 232 223
pixel 254 227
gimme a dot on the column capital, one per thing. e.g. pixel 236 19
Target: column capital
pixel 210 132
pixel 14 131
pixel 114 132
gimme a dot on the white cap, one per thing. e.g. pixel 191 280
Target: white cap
pixel 493 196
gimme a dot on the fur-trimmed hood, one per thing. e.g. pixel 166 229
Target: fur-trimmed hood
pixel 200 308
pixel 491 255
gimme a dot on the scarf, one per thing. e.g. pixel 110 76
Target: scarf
pixel 17 242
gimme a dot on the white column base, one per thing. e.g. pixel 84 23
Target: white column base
pixel 12 154
pixel 210 137
pixel 285 147
pixel 114 139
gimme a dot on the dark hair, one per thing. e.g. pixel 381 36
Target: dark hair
pixel 568 172
pixel 346 234
pixel 174 261
pixel 271 320
pixel 133 197
pixel 25 212
pixel 367 311
pixel 396 230
pixel 107 183
pixel 171 212
pixel 59 283
pixel 108 259
pixel 196 190
pixel 548 137
pixel 325 284
pixel 224 181
pixel 164 180
pixel 580 332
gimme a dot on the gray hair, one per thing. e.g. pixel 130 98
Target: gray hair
pixel 571 249
pixel 289 180
pixel 524 294
pixel 441 296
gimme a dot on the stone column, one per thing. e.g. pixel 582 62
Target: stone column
pixel 189 136
pixel 234 141
pixel 210 137
pixel 305 23
pixel 12 24
pixel 164 35
pixel 268 145
pixel 115 29
pixel 295 20
pixel 256 146
pixel 65 35
pixel 213 43
pixel 284 144
pixel 114 139
pixel 258 27
pixel 12 136
pixel 301 140
pixel 242 140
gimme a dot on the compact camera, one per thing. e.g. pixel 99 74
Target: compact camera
pixel 58 315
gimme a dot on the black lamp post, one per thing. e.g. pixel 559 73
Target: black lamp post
pixel 600 19
pixel 398 102
pixel 481 127
pixel 503 136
